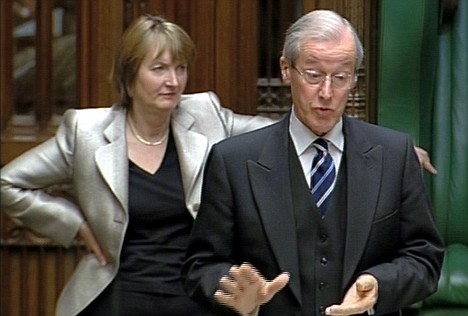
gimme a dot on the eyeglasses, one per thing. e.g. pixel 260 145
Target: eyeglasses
pixel 339 80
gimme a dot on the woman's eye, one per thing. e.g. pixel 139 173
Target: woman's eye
pixel 158 68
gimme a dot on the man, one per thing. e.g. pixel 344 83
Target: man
pixel 264 244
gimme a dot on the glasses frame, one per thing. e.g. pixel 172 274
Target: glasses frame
pixel 351 77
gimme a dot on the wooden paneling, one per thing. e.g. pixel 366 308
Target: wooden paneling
pixel 225 33
pixel 44 62
pixel 364 17
pixel 102 27
pixel 98 31
pixel 6 66
pixel 33 270
pixel 236 68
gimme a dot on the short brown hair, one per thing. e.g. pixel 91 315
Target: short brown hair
pixel 136 42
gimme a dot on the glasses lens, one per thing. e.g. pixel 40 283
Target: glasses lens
pixel 341 81
pixel 314 77
pixel 338 80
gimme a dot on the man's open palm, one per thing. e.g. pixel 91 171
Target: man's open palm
pixel 245 289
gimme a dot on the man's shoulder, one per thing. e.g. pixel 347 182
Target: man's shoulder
pixel 251 144
pixel 258 135
pixel 371 130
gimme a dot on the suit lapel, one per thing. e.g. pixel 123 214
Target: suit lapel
pixel 269 177
pixel 364 171
pixel 112 162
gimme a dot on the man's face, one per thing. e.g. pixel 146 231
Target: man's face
pixel 320 106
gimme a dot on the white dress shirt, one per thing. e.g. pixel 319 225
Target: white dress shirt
pixel 303 138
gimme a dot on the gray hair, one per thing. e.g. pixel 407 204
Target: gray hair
pixel 320 25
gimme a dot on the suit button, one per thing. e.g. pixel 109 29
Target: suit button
pixel 322 286
pixel 322 310
pixel 323 261
pixel 323 238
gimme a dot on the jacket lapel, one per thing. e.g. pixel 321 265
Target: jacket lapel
pixel 364 171
pixel 112 162
pixel 192 149
pixel 269 177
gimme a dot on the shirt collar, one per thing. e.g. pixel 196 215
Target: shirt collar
pixel 303 137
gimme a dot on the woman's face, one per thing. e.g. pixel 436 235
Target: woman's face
pixel 159 82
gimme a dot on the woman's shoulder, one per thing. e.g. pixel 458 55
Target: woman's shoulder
pixel 92 116
pixel 200 99
pixel 95 112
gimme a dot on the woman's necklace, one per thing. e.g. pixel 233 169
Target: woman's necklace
pixel 144 141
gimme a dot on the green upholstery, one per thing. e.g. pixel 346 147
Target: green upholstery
pixel 453 283
pixel 445 311
pixel 451 297
pixel 410 50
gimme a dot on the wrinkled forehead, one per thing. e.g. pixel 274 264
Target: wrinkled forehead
pixel 341 49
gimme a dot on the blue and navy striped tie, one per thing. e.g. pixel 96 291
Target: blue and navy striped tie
pixel 322 175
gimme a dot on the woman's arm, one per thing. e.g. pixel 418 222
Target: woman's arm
pixel 25 184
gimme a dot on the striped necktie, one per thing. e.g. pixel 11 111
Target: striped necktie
pixel 322 175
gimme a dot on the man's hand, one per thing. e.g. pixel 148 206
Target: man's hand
pixel 245 289
pixel 91 243
pixel 361 297
pixel 425 161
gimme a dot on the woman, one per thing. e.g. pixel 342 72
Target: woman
pixel 135 170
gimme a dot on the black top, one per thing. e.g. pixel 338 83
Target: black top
pixel 158 230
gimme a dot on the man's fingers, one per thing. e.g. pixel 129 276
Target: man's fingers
pixel 339 310
pixel 229 286
pixel 366 283
pixel 274 286
pixel 249 273
pixel 361 297
pixel 243 276
pixel 224 298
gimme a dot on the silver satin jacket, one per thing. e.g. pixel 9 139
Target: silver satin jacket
pixel 89 155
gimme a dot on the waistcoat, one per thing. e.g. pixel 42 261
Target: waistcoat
pixel 320 241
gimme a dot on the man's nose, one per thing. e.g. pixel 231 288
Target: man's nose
pixel 326 88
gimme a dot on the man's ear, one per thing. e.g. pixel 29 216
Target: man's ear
pixel 285 69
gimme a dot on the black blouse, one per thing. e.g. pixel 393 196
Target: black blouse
pixel 158 230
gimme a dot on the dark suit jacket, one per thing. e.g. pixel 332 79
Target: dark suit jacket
pixel 246 215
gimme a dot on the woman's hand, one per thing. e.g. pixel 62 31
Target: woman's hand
pixel 91 243
pixel 425 160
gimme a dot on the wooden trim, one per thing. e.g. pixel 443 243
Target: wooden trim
pixel 203 33
pixel 84 81
pixel 100 27
pixel 248 51
pixel 44 58
pixel 225 61
pixel 6 64
pixel 106 21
